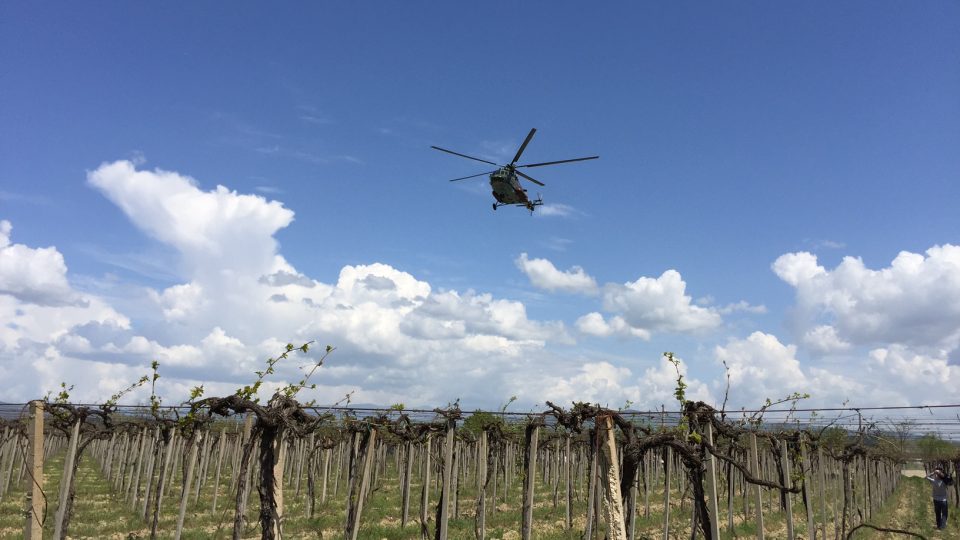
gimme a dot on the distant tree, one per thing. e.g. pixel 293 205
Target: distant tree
pixel 933 448
pixel 834 438
pixel 901 432
pixel 479 421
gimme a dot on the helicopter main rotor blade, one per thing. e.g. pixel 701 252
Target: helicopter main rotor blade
pixel 472 176
pixel 524 145
pixel 462 155
pixel 530 178
pixel 555 162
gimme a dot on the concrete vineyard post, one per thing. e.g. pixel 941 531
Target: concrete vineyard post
pixel 529 479
pixel 36 507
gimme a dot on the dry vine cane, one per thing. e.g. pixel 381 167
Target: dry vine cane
pixel 282 414
pixel 82 426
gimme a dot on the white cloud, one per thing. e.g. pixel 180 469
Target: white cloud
pixel 658 305
pixel 557 210
pixel 35 276
pixel 610 385
pixel 397 337
pixel 795 268
pixel 659 382
pixel 742 306
pixel 595 325
pixel 544 275
pixel 761 367
pixel 915 301
pixel 213 230
pixel 823 339
pixel 931 376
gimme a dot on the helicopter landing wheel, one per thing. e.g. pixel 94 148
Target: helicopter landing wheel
pixel 494 206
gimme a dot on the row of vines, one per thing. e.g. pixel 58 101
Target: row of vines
pixel 234 467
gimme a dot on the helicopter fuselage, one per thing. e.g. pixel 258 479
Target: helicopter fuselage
pixel 507 189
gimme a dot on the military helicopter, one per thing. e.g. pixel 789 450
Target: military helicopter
pixel 505 179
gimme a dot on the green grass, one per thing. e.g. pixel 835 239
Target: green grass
pixel 99 514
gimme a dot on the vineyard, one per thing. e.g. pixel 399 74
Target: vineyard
pixel 232 467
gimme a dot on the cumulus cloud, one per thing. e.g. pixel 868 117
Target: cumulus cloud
pixel 594 324
pixel 33 275
pixel 823 339
pixel 239 301
pixel 544 275
pixel 915 301
pixel 557 210
pixel 761 367
pixel 742 306
pixel 922 372
pixel 636 309
pixel 214 230
pixel 658 305
pixel 614 386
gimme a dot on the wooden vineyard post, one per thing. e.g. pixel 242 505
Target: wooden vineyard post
pixel 447 479
pixel 610 472
pixel 425 487
pixel 668 456
pixel 36 506
pixel 9 453
pixel 591 486
pixel 455 479
pixel 647 464
pixel 356 509
pixel 326 471
pixel 405 487
pixel 279 456
pixel 134 488
pixel 785 459
pixel 807 490
pixel 194 443
pixel 482 453
pixel 202 467
pixel 568 499
pixel 66 478
pixel 730 495
pixel 529 479
pixel 161 479
pixel 351 481
pixel 216 479
pixel 148 479
pixel 712 506
pixel 755 471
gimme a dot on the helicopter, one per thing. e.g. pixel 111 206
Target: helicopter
pixel 505 179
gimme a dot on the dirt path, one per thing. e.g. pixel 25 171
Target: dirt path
pixel 913 511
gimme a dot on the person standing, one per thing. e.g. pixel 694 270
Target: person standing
pixel 940 481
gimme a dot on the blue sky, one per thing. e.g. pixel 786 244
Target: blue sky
pixel 743 147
